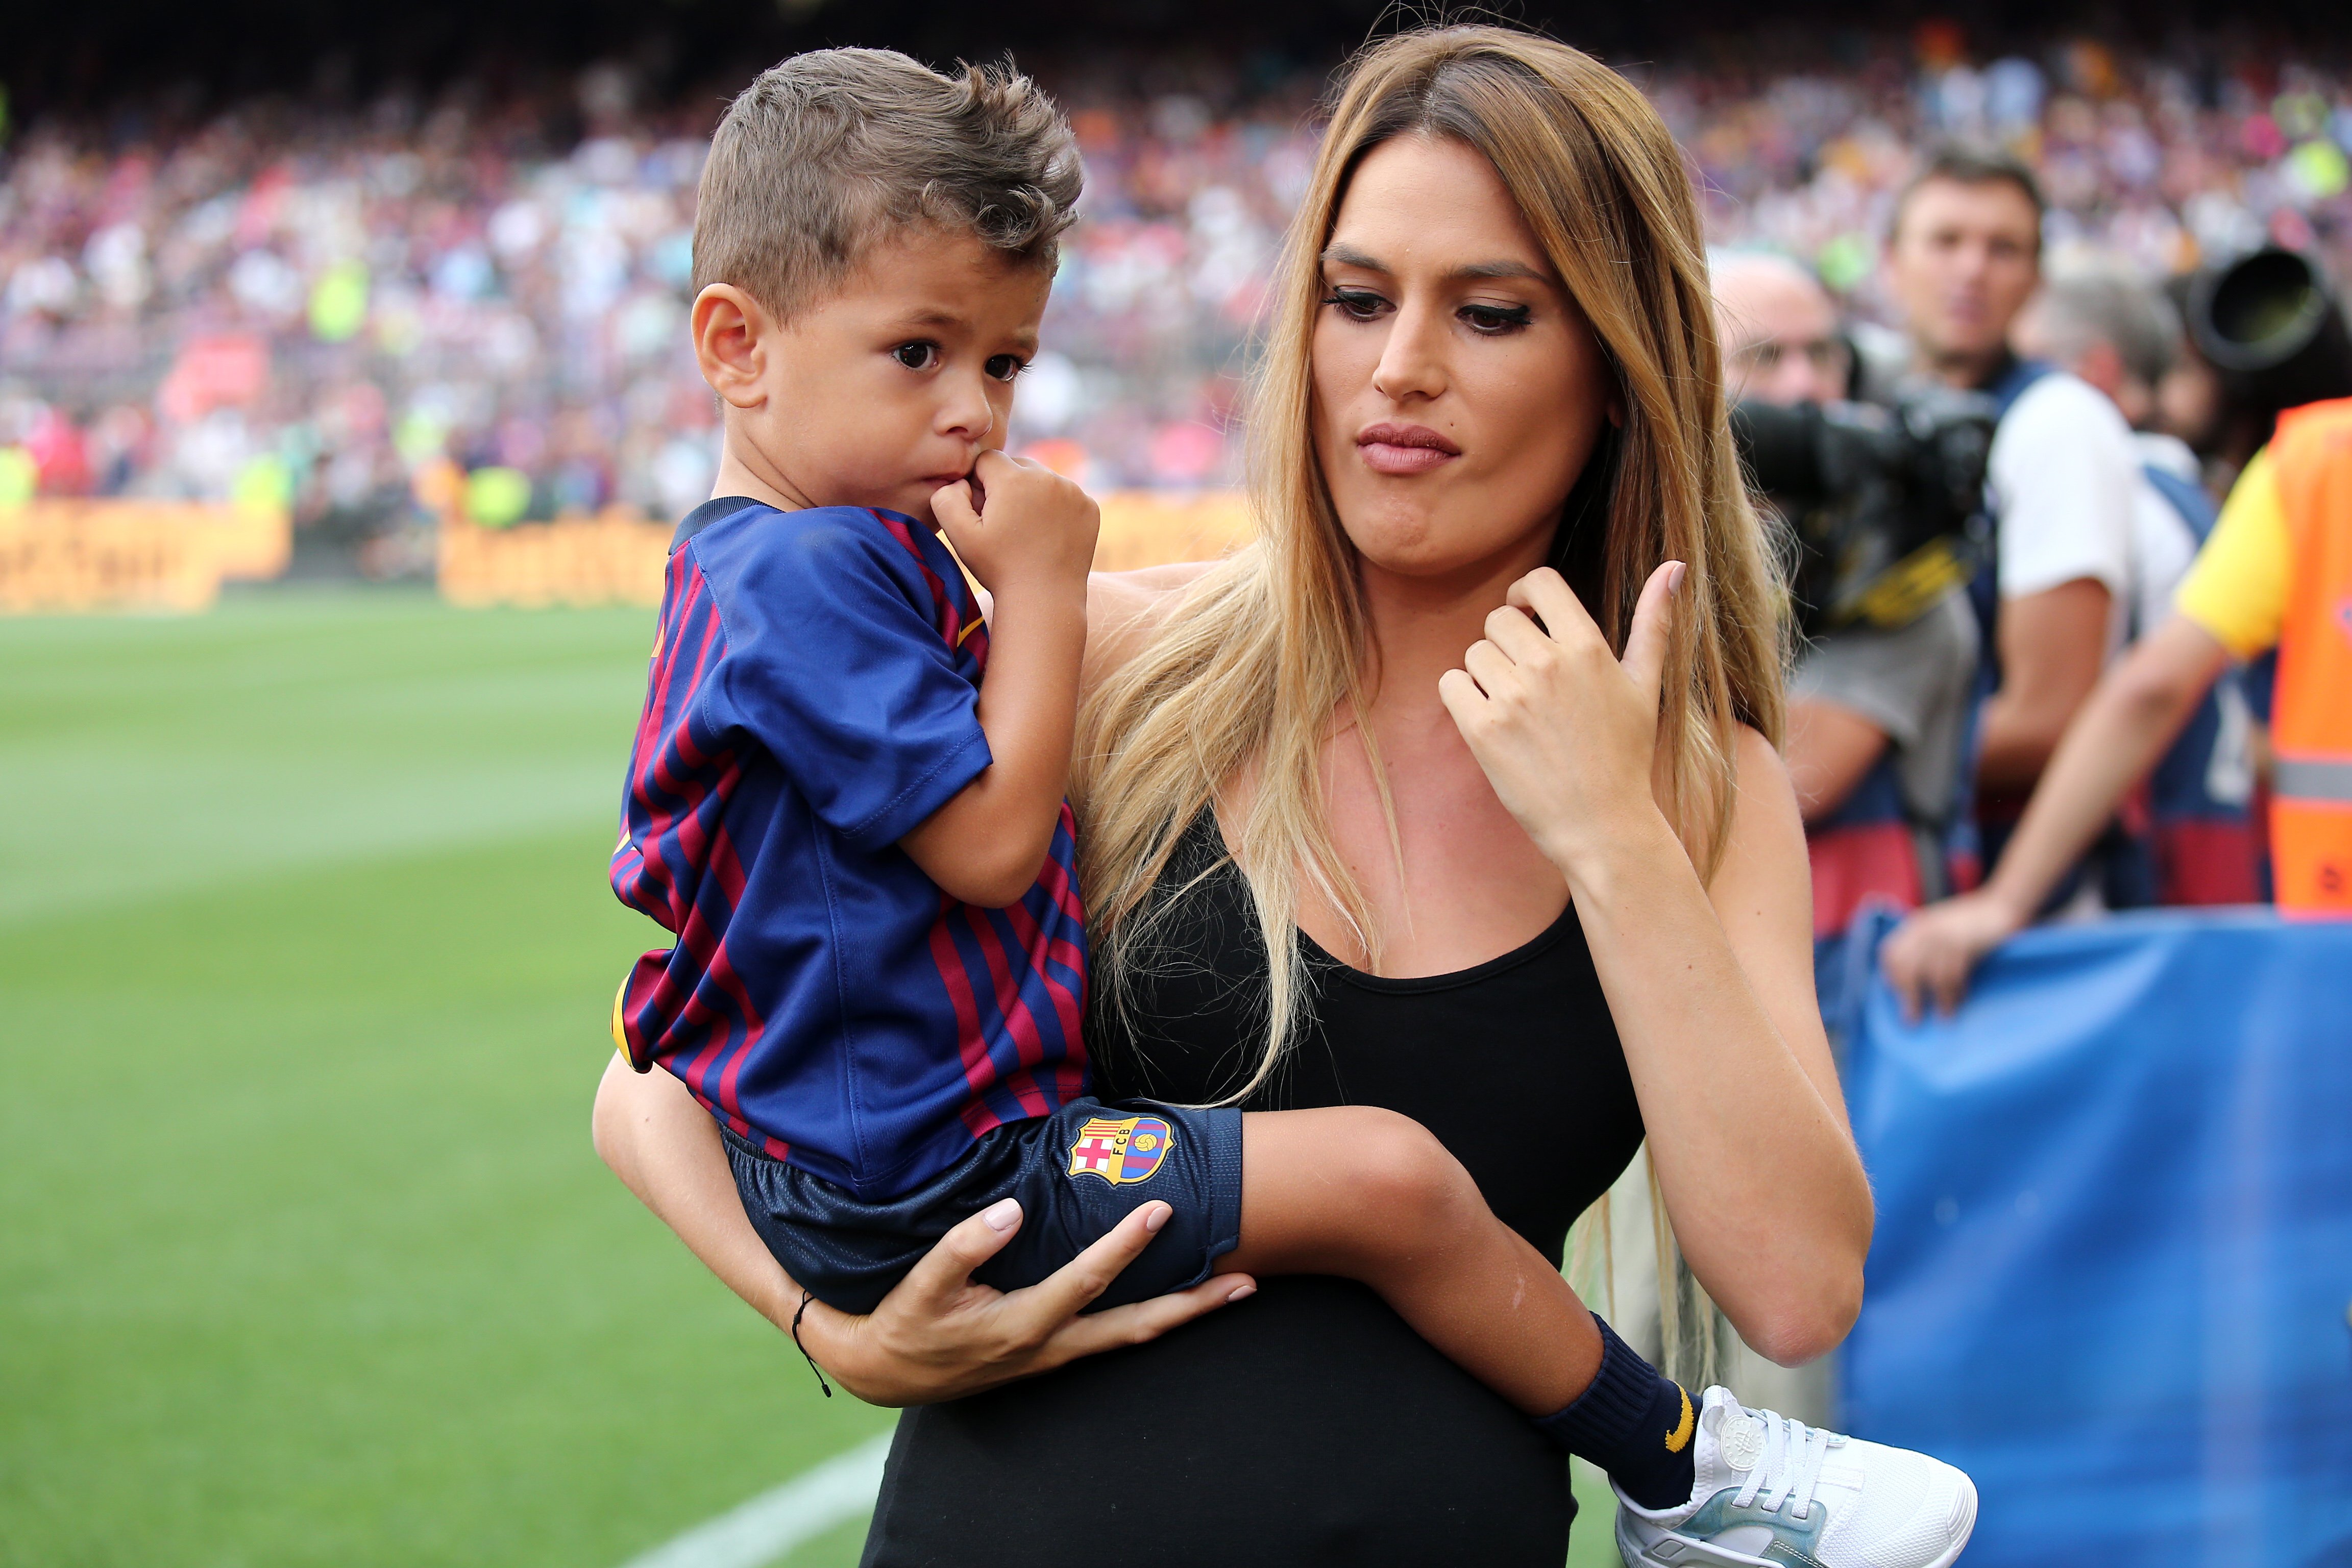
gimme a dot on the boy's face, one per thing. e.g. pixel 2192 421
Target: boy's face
pixel 885 390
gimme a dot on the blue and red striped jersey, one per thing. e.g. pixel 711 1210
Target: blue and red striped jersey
pixel 813 698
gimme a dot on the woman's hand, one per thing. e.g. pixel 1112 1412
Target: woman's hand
pixel 1935 950
pixel 936 1336
pixel 940 1336
pixel 1565 732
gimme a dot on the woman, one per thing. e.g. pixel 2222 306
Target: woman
pixel 1541 894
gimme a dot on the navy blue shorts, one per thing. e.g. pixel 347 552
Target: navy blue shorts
pixel 1076 1173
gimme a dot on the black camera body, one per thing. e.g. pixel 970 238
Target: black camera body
pixel 1887 504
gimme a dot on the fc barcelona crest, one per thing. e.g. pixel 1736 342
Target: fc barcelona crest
pixel 1122 1150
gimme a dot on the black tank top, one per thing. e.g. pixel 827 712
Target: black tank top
pixel 1308 1425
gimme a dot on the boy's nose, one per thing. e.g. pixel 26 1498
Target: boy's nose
pixel 968 413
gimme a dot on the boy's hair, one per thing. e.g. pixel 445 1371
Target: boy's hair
pixel 832 149
pixel 1970 164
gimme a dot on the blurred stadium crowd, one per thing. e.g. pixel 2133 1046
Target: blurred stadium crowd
pixel 370 312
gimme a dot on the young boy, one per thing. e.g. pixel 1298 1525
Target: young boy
pixel 859 837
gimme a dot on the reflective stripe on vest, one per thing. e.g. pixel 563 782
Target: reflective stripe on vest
pixel 2311 723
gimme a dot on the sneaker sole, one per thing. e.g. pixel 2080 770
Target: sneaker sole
pixel 1680 1552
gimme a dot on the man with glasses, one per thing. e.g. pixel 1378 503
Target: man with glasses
pixel 1876 717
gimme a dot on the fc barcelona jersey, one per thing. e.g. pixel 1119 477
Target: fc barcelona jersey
pixel 813 698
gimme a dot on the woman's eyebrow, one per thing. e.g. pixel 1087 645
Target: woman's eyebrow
pixel 1479 269
pixel 1349 256
pixel 1344 255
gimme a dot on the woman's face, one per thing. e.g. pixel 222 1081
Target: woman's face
pixel 1457 389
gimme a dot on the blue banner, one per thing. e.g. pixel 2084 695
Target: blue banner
pixel 2114 1259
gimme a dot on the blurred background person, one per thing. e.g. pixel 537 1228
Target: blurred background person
pixel 1876 715
pixel 2189 837
pixel 2278 571
pixel 1962 258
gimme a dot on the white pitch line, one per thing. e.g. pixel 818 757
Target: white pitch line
pixel 762 1529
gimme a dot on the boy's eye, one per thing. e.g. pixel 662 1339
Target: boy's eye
pixel 1494 321
pixel 921 354
pixel 1358 304
pixel 1005 367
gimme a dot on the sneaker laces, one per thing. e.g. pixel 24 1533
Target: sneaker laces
pixel 1790 1466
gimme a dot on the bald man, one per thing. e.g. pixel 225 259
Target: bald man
pixel 1861 696
pixel 1781 341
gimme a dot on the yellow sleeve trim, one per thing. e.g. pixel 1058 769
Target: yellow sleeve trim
pixel 2237 587
pixel 620 1032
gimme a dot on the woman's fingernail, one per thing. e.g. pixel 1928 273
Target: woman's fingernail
pixel 1674 577
pixel 1002 1215
pixel 1156 1215
pixel 1244 1294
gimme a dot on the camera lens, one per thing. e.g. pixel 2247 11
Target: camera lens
pixel 2261 311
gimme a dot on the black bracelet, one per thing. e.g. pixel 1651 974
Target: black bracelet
pixel 807 1296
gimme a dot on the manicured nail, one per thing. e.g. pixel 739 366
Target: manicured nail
pixel 1155 1215
pixel 1244 1294
pixel 1674 577
pixel 1002 1215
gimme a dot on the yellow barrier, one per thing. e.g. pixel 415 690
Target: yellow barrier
pixel 1147 528
pixel 616 557
pixel 59 555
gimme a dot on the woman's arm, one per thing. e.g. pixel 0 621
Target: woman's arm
pixel 1712 992
pixel 936 1336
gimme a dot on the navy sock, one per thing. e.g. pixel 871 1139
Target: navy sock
pixel 1633 1422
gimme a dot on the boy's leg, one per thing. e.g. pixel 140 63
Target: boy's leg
pixel 1371 1195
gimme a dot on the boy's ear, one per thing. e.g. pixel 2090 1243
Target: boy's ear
pixel 731 343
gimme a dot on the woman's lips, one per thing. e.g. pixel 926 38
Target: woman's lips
pixel 1404 448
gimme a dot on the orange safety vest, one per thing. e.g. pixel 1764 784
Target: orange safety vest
pixel 2311 716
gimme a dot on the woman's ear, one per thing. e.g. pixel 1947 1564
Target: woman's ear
pixel 1617 412
pixel 730 332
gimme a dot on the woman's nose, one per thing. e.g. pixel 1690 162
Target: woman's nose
pixel 1413 358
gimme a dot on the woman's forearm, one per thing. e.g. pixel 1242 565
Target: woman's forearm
pixel 666 1149
pixel 1752 1151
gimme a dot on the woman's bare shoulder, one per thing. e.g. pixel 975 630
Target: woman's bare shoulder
pixel 1123 609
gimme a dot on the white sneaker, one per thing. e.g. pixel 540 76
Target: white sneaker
pixel 1776 1493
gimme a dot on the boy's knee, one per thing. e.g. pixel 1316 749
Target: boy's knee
pixel 1404 1178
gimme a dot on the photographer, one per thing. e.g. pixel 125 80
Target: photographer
pixel 2275 573
pixel 1876 714
pixel 1963 256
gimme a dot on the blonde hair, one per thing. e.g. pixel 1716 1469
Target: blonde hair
pixel 833 150
pixel 1250 667
pixel 1252 664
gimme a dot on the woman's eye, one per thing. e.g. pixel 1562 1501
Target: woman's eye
pixel 1005 367
pixel 1494 321
pixel 1359 304
pixel 919 355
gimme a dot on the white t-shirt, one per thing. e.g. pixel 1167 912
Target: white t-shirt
pixel 2064 476
pixel 2162 544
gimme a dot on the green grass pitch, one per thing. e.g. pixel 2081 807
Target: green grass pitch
pixel 305 961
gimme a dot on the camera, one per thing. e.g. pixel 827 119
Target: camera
pixel 2268 324
pixel 1887 504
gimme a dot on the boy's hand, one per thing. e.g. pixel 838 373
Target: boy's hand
pixel 1019 525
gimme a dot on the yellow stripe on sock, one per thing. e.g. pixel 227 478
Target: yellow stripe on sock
pixel 1678 1439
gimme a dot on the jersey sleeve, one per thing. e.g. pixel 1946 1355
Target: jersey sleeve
pixel 2237 587
pixel 2063 472
pixel 836 667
